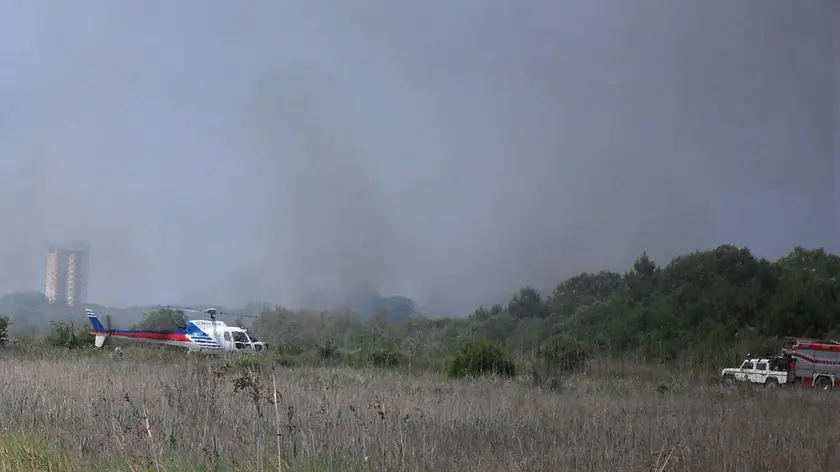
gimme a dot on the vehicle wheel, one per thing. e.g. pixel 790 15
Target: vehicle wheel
pixel 823 383
pixel 771 383
pixel 729 379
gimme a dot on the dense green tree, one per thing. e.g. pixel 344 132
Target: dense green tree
pixel 583 290
pixel 527 303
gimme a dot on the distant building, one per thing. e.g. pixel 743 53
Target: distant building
pixel 67 274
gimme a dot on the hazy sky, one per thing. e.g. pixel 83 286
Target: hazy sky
pixel 292 151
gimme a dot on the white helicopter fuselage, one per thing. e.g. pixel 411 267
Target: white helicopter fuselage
pixel 198 335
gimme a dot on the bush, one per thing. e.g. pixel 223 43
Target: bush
pixel 68 336
pixel 563 353
pixel 4 331
pixel 481 357
pixel 327 350
pixel 384 357
pixel 557 355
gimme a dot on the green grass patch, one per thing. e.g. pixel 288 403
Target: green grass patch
pixel 25 452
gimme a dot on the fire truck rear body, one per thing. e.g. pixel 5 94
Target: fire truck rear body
pixel 812 362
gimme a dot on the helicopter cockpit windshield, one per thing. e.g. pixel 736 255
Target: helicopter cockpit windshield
pixel 239 337
pixel 253 338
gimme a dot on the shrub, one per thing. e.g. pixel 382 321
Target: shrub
pixel 4 331
pixel 558 354
pixel 68 336
pixel 563 353
pixel 481 357
pixel 327 350
pixel 385 357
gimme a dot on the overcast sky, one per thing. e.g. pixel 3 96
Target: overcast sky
pixel 297 150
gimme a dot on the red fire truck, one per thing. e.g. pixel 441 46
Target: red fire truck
pixel 812 362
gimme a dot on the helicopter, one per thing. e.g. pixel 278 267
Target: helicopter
pixel 197 335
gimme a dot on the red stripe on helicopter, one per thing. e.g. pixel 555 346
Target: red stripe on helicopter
pixel 153 336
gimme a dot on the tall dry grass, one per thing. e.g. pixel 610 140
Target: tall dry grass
pixel 615 417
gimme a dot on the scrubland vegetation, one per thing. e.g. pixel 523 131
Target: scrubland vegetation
pixel 89 413
pixel 611 371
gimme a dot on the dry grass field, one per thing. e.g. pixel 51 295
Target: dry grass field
pixel 68 414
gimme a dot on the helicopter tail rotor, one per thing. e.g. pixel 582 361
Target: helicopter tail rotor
pixel 99 331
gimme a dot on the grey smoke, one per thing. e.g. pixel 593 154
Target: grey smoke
pixel 300 151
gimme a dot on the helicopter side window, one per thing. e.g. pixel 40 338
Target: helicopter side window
pixel 227 336
pixel 253 338
pixel 239 336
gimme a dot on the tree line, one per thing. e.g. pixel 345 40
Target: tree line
pixel 700 305
pixel 705 306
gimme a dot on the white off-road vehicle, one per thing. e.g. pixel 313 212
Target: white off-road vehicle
pixel 766 371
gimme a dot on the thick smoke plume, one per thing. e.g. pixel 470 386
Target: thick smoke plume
pixel 298 152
